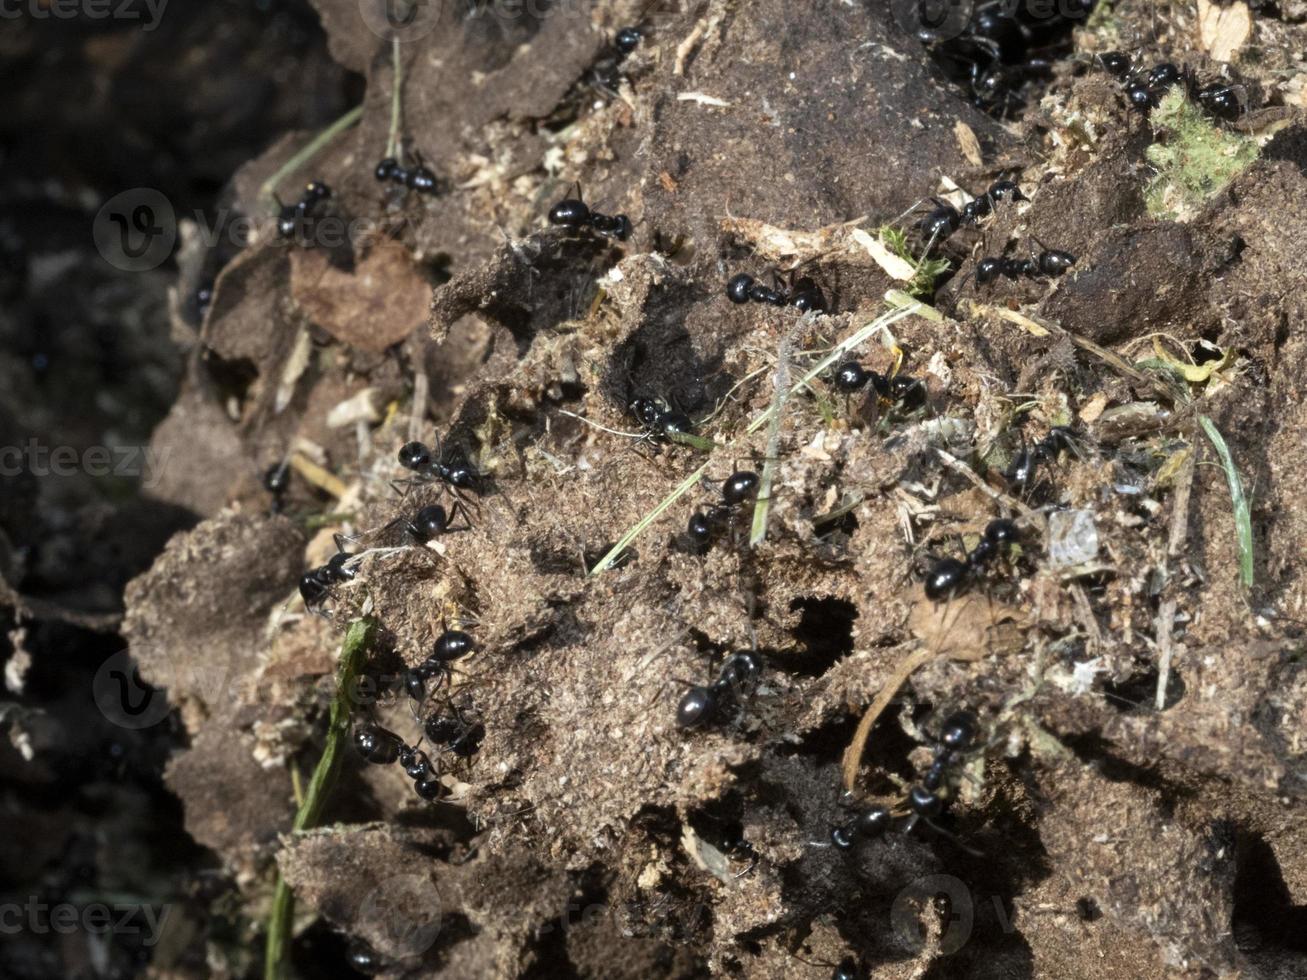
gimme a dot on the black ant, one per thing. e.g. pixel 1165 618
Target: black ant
pixel 701 706
pixel 660 422
pixel 924 801
pixel 1144 90
pixel 940 223
pixel 203 299
pixel 292 216
pixel 456 733
pixel 574 214
pixel 381 747
pixel 1048 263
pixel 451 645
pixel 627 40
pixel 924 798
pixel 802 293
pixel 738 848
pixel 907 392
pixel 363 959
pixel 870 823
pixel 430 522
pixel 315 584
pixel 417 766
pixel 1025 464
pixel 738 488
pixel 1222 101
pixel 429 466
pixel 1003 44
pixel 276 480
pixel 948 575
pixel 419 178
pixel 606 73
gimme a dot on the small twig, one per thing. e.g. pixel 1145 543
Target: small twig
pixel 780 381
pixel 397 75
pixel 421 393
pixel 282 915
pixel 853 754
pixel 1093 634
pixel 955 464
pixel 1184 483
pixel 601 428
pixel 1165 622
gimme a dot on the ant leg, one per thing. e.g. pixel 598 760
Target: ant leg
pixel 951 836
pixel 407 485
pixel 909 211
pixel 456 511
pixel 461 500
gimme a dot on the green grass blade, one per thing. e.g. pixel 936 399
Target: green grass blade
pixel 615 552
pixel 690 439
pixel 282 914
pixel 314 146
pixel 1243 521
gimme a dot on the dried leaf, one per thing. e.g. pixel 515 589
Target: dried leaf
pixel 704 855
pixel 380 303
pixel 1094 408
pixel 968 627
pixel 294 367
pixel 1166 473
pixel 776 244
pixel 318 476
pixel 967 143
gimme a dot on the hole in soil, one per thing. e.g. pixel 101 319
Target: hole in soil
pixel 232 378
pixel 1264 914
pixel 1001 57
pixel 1139 691
pixel 887 748
pixel 563 560
pixel 826 631
pixel 1087 909
pixel 661 359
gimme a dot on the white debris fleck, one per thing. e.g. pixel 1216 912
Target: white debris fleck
pixel 1072 538
pixel 1082 677
pixel 702 99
